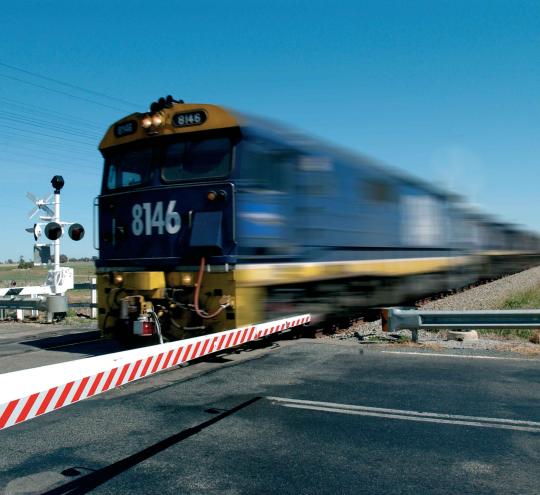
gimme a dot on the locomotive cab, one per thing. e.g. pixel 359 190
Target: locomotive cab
pixel 167 222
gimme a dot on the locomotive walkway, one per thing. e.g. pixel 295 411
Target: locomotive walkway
pixel 295 416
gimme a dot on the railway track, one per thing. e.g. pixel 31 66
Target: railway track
pixel 21 344
pixel 368 315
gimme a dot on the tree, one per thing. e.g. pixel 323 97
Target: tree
pixel 63 258
pixel 25 264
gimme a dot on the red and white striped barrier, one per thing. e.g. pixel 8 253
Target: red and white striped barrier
pixel 30 393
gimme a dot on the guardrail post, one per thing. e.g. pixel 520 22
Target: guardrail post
pixel 34 312
pixel 393 319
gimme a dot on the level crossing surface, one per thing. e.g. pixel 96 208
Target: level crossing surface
pixel 293 416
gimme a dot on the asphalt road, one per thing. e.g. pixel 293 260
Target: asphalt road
pixel 297 416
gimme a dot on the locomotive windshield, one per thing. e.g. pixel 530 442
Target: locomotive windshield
pixel 178 160
pixel 193 160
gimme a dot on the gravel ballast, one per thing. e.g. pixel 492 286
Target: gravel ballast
pixel 487 296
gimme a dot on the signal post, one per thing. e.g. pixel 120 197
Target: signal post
pixel 51 295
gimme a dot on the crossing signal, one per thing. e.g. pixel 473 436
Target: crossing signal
pixel 53 231
pixel 36 231
pixel 76 232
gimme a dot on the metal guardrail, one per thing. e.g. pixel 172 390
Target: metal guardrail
pixel 20 303
pixel 87 285
pixel 413 319
pixel 42 303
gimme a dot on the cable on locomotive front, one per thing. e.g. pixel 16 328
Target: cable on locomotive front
pixel 197 293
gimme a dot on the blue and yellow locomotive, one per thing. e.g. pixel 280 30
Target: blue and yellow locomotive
pixel 210 219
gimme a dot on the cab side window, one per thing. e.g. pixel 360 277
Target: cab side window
pixel 379 191
pixel 128 168
pixel 265 166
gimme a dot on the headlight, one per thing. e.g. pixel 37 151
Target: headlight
pixel 146 122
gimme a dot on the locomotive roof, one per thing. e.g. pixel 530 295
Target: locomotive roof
pixel 295 139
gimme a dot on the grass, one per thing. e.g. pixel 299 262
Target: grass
pixel 37 275
pixel 508 333
pixel 527 299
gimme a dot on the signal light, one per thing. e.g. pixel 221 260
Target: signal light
pixel 76 232
pixel 58 183
pixel 53 231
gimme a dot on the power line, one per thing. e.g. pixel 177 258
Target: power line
pixel 10 127
pixel 69 85
pixel 28 139
pixel 41 167
pixel 33 153
pixel 52 162
pixel 33 109
pixel 52 126
pixel 23 138
pixel 13 78
pixel 39 145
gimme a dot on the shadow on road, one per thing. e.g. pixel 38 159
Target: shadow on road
pixel 83 342
pixel 92 480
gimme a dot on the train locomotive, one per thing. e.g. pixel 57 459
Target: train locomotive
pixel 210 219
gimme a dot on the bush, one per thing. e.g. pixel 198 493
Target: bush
pixel 25 264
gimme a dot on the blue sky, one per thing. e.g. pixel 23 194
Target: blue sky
pixel 446 90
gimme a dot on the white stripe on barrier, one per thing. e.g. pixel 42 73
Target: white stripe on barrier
pixel 30 393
